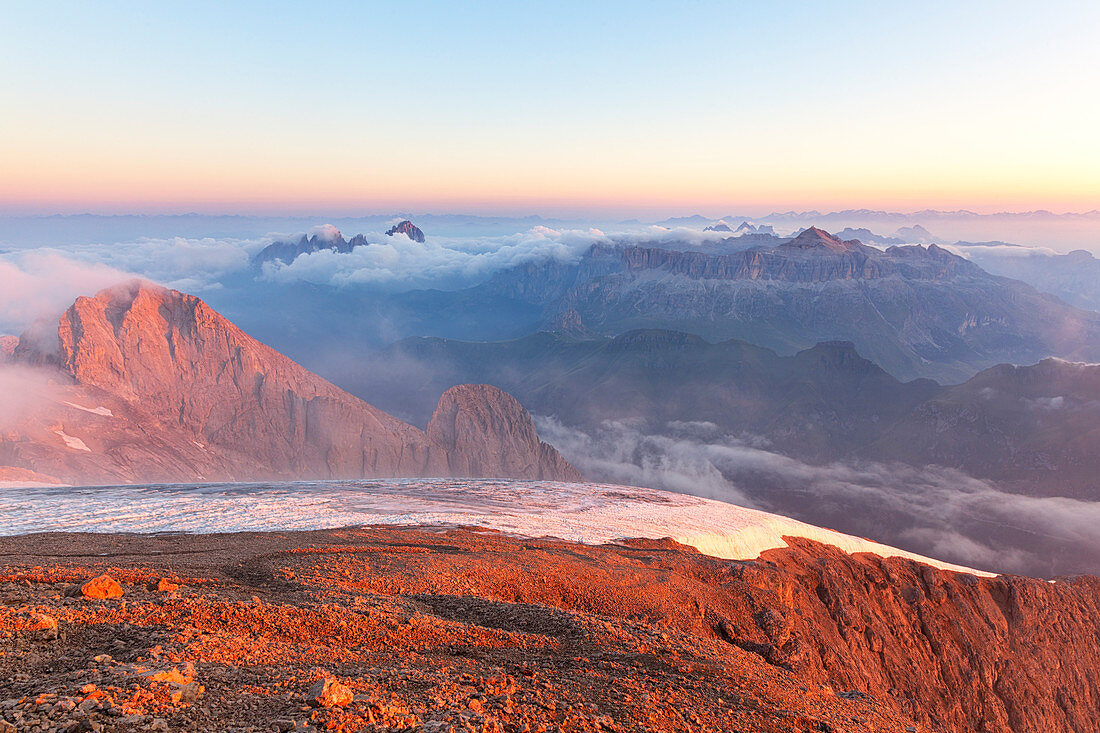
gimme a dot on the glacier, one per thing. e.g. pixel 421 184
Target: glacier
pixel 579 512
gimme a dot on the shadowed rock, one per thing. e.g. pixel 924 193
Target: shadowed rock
pixel 407 228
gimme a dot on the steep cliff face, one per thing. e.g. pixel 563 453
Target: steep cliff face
pixel 814 256
pixel 956 652
pixel 167 363
pixel 486 433
pixel 189 367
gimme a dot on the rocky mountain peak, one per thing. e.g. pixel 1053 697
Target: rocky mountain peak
pixel 407 228
pixel 817 239
pixel 485 431
pixel 319 238
pixel 915 233
pixel 837 354
pixel 212 401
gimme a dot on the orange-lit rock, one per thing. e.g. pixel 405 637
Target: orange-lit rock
pixel 327 692
pixel 101 587
pixel 430 629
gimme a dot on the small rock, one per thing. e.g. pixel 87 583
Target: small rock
pixel 327 693
pixel 80 726
pixel 167 586
pixel 43 627
pixel 6 727
pixel 174 675
pixel 188 693
pixel 102 587
pixel 282 725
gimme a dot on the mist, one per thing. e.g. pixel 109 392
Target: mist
pixel 25 390
pixel 41 285
pixel 932 510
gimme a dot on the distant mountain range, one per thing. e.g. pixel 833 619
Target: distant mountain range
pixel 904 235
pixel 828 217
pixel 1030 426
pixel 328 238
pixel 1073 277
pixel 288 251
pixel 146 384
pixel 916 311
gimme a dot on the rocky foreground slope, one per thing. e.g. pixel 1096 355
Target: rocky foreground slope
pixel 406 629
pixel 150 384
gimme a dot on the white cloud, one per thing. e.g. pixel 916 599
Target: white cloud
pixel 399 262
pixel 42 284
pixel 327 232
pixel 978 251
pixel 941 506
pixel 452 262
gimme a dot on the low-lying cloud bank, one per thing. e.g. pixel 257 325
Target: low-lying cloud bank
pixel 936 511
pixel 398 262
pixel 449 262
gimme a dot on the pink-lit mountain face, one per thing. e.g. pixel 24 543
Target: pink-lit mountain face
pixel 150 384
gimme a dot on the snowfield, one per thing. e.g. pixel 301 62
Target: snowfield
pixel 587 512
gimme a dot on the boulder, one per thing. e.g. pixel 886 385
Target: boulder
pixel 101 587
pixel 327 692
pixel 43 627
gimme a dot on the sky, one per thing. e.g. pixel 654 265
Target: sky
pixel 551 108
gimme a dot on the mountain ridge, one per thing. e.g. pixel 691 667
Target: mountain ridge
pixel 916 310
pixel 230 407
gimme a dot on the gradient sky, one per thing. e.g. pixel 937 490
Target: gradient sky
pixel 548 107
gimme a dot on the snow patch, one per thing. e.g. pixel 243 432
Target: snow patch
pixel 101 411
pixel 74 443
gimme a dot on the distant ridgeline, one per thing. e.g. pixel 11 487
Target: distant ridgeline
pixel 916 310
pixel 330 238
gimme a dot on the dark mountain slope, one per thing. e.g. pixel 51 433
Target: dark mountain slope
pixel 813 403
pixel 914 310
pixel 824 435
